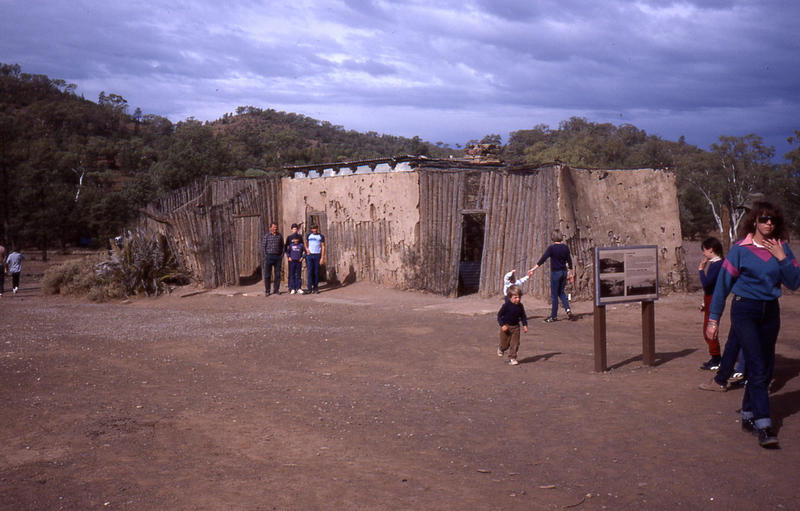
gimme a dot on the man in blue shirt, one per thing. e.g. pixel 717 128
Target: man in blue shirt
pixel 315 256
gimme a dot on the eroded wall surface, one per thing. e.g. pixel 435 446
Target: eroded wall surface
pixel 372 230
pixel 607 208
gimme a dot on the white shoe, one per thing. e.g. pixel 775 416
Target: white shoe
pixel 301 292
pixel 291 292
pixel 499 352
pixel 513 362
pixel 15 290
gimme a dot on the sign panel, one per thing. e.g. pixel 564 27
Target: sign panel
pixel 626 274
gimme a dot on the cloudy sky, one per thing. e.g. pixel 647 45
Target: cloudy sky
pixel 445 70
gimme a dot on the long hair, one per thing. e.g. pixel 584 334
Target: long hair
pixel 748 223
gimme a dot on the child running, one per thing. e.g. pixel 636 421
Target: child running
pixel 510 315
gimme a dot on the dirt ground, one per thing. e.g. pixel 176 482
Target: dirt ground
pixel 369 398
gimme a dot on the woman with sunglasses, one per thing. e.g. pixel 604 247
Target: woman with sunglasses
pixel 753 271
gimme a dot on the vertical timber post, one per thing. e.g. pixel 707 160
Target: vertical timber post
pixel 648 333
pixel 600 355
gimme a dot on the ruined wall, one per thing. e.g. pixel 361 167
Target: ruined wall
pixel 372 223
pixel 214 226
pixel 622 207
pixel 519 212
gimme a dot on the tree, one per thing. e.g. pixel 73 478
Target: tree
pixel 790 183
pixel 733 169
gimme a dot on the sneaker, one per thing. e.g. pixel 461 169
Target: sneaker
pixel 15 290
pixel 549 320
pixel 569 313
pixel 499 352
pixel 308 291
pixel 735 378
pixel 749 425
pixel 767 438
pixel 711 365
pixel 300 292
pixel 513 362
pixel 713 386
pixel 291 292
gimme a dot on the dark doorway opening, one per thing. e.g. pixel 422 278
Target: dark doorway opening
pixel 469 268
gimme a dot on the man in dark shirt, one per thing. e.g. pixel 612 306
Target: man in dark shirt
pixel 272 250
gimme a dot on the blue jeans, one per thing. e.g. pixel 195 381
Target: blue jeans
pixel 272 264
pixel 729 358
pixel 558 281
pixel 756 324
pixel 295 275
pixel 312 268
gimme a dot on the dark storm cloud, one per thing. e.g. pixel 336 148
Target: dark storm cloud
pixel 702 67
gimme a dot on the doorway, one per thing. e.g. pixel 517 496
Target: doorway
pixel 469 267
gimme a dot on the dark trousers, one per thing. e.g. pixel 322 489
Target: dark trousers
pixel 295 275
pixel 732 360
pixel 312 268
pixel 15 280
pixel 756 324
pixel 272 265
pixel 509 340
pixel 558 282
pixel 2 278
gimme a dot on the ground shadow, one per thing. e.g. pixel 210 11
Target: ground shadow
pixel 782 406
pixel 535 358
pixel 660 358
pixel 785 370
pixel 249 280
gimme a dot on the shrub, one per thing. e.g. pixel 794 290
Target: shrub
pixel 137 265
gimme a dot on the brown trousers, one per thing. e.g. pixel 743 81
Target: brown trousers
pixel 510 339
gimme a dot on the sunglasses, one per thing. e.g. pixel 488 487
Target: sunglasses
pixel 767 218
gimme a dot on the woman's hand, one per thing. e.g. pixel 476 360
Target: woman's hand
pixel 775 248
pixel 711 329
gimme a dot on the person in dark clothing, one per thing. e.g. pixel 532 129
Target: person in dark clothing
pixel 295 253
pixel 509 317
pixel 2 269
pixel 560 271
pixel 293 235
pixel 272 250
pixel 709 270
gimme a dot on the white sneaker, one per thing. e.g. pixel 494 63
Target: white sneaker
pixel 291 292
pixel 499 352
pixel 513 362
pixel 301 292
pixel 15 290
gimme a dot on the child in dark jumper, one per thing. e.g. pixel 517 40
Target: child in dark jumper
pixel 509 317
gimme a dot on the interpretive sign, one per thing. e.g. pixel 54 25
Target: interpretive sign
pixel 626 274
